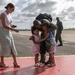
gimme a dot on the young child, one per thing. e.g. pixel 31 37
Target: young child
pixel 52 50
pixel 35 47
pixel 37 24
pixel 50 43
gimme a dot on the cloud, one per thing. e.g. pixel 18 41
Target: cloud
pixel 3 2
pixel 29 9
pixel 33 9
pixel 39 7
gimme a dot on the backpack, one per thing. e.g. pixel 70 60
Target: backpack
pixel 41 16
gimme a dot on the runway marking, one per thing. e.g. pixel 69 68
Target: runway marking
pixel 46 56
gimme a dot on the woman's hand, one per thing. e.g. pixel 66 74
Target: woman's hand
pixel 16 30
pixel 13 26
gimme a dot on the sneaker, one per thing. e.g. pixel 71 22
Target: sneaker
pixel 60 45
pixel 42 64
pixel 51 65
pixel 48 65
pixel 37 65
pixel 47 62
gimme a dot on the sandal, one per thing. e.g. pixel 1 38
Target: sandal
pixel 3 66
pixel 53 64
pixel 16 65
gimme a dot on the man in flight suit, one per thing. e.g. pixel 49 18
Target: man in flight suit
pixel 59 31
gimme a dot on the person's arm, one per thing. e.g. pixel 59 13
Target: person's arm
pixel 5 25
pixel 52 27
pixel 60 27
pixel 0 16
pixel 41 40
pixel 33 39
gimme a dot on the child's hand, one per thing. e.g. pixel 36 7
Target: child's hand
pixel 31 38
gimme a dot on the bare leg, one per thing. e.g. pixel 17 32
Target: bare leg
pixel 36 58
pixel 52 60
pixel 2 64
pixel 2 60
pixel 14 59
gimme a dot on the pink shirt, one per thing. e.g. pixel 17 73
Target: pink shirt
pixel 36 47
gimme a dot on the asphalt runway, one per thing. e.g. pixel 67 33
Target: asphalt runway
pixel 24 45
pixel 26 60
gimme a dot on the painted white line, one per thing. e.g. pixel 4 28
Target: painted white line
pixel 46 56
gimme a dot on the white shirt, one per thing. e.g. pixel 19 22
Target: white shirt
pixel 8 19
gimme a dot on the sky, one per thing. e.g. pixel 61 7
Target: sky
pixel 27 10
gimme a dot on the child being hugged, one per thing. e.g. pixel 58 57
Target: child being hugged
pixel 35 47
pixel 50 43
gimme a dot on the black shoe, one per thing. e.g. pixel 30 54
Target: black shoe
pixel 47 62
pixel 60 45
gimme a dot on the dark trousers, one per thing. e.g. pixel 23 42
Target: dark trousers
pixel 42 52
pixel 58 38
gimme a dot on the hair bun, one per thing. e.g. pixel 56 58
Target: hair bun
pixel 9 5
pixel 6 7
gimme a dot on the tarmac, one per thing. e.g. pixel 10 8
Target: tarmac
pixel 24 45
pixel 64 57
pixel 64 66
